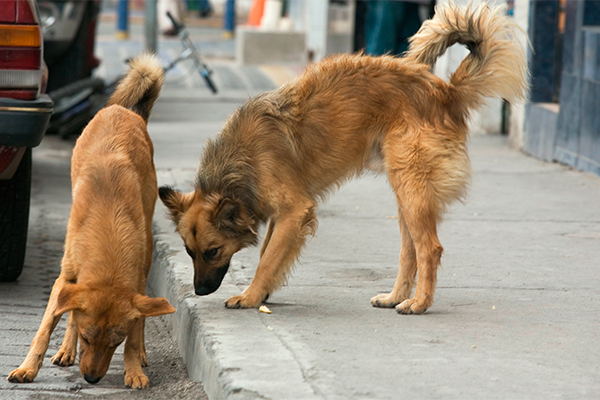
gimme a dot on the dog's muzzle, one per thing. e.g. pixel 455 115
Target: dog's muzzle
pixel 92 379
pixel 210 285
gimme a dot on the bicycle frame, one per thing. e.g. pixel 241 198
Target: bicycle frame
pixel 190 51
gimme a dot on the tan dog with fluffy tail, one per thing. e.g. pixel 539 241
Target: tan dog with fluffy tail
pixel 284 151
pixel 108 247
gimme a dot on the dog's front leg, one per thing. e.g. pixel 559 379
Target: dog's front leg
pixel 68 350
pixel 285 238
pixel 143 356
pixel 134 376
pixel 33 362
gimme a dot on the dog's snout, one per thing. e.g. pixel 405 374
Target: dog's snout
pixel 91 379
pixel 203 290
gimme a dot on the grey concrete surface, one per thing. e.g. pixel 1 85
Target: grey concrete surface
pixel 516 312
pixel 517 306
pixel 258 46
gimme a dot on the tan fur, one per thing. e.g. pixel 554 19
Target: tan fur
pixel 143 84
pixel 285 150
pixel 108 247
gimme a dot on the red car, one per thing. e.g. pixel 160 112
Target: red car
pixel 24 115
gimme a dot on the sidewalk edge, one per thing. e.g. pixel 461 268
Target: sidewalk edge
pixel 184 325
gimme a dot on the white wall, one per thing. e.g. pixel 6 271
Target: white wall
pixel 487 119
pixel 242 7
pixel 315 17
pixel 517 117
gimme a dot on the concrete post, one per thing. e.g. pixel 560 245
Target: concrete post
pixel 151 37
pixel 516 130
pixel 316 14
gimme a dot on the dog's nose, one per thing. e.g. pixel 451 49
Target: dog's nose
pixel 92 379
pixel 203 290
pixel 205 286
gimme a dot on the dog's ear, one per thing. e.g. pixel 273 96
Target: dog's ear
pixel 152 306
pixel 176 202
pixel 70 297
pixel 231 217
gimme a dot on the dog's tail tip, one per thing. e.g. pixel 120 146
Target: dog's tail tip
pixel 497 65
pixel 139 89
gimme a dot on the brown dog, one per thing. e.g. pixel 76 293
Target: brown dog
pixel 108 247
pixel 284 150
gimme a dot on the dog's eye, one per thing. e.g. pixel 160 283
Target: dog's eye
pixel 84 339
pixel 190 253
pixel 210 254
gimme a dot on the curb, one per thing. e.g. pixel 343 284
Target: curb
pixel 234 353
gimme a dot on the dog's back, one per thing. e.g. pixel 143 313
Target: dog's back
pixel 108 248
pixel 113 177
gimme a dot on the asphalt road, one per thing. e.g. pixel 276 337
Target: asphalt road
pixel 23 302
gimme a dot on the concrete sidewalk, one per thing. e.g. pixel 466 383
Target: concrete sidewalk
pixel 517 308
pixel 516 315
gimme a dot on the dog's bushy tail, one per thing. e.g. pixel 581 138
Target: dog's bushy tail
pixel 140 88
pixel 497 65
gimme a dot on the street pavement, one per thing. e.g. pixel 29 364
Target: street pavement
pixel 23 303
pixel 517 306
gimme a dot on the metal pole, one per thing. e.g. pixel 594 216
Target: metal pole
pixel 122 19
pixel 151 26
pixel 229 22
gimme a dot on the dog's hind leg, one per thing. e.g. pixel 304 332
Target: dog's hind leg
pixel 289 234
pixel 68 350
pixel 30 367
pixel 411 159
pixel 406 272
pixel 422 226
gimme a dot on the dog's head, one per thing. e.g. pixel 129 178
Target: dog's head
pixel 103 318
pixel 213 229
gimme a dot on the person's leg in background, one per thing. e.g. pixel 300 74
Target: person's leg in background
pixel 205 8
pixel 390 23
pixel 382 25
pixel 410 24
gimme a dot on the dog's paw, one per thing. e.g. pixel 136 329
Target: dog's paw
pixel 413 306
pixel 64 358
pixel 22 375
pixel 385 300
pixel 136 380
pixel 244 301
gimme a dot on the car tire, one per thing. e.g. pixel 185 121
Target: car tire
pixel 14 219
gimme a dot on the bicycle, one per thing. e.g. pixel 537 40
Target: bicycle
pixel 190 51
pixel 76 103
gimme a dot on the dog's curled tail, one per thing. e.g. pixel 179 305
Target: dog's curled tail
pixel 140 88
pixel 497 64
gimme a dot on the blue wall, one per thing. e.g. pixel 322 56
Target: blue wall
pixel 569 133
pixel 578 129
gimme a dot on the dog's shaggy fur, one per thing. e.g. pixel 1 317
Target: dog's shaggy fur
pixel 108 247
pixel 285 150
